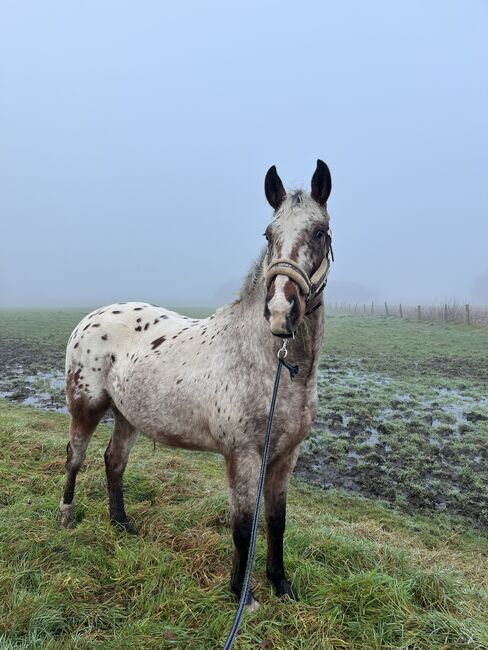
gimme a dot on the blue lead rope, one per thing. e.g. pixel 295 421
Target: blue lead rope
pixel 262 475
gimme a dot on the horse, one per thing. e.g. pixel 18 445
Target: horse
pixel 206 384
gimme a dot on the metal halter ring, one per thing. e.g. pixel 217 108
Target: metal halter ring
pixel 282 352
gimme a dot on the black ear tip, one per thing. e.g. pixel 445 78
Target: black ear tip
pixel 273 188
pixel 321 183
pixel 322 168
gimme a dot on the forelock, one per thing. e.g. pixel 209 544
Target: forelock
pixel 298 206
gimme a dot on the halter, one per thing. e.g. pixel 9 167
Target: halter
pixel 310 287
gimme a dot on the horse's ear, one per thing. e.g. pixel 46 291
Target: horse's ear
pixel 273 188
pixel 321 183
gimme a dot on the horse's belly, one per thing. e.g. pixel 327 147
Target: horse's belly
pixel 162 406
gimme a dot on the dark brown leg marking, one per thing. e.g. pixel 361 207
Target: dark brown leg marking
pixel 275 568
pixel 275 497
pixel 242 472
pixel 241 534
pixel 116 457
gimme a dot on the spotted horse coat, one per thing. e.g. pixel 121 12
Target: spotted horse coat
pixel 206 384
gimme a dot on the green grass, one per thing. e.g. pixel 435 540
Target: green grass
pixel 368 576
pixel 408 348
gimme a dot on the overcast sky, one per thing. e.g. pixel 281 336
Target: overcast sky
pixel 135 136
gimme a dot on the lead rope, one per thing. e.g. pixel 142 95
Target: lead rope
pixel 282 352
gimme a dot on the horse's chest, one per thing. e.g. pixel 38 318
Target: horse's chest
pixel 295 411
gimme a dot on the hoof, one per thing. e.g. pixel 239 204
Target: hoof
pixel 125 526
pixel 252 604
pixel 283 588
pixel 67 514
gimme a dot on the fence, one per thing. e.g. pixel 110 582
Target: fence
pixel 449 313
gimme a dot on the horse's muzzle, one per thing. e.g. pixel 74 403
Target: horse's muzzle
pixel 284 316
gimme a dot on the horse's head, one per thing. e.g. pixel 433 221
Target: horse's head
pixel 299 244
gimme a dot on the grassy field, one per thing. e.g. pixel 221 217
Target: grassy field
pixel 403 421
pixel 368 576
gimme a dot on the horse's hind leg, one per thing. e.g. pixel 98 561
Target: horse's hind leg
pixel 84 421
pixel 116 456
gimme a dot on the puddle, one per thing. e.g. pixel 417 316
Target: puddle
pixel 44 390
pixel 373 436
pixel 447 407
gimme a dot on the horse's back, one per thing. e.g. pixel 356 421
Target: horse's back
pixel 111 337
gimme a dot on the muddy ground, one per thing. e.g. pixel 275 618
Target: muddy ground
pixel 421 446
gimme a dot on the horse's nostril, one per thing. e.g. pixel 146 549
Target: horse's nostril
pixel 295 309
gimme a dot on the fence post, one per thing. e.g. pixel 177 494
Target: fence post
pixel 468 317
pixel 419 312
pixel 445 313
pixel 386 308
pixel 364 308
pixel 401 311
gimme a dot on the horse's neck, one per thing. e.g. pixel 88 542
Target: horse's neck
pixel 252 329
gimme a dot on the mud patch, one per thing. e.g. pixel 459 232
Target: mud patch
pixel 44 390
pixel 419 446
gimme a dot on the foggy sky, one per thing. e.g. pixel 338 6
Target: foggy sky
pixel 135 136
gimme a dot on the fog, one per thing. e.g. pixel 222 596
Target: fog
pixel 134 140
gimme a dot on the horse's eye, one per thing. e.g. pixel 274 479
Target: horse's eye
pixel 320 234
pixel 267 235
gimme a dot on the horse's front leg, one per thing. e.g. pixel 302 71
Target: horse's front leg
pixel 275 491
pixel 243 474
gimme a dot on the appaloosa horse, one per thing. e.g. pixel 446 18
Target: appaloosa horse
pixel 206 384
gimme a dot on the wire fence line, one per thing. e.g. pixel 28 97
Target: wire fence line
pixel 448 313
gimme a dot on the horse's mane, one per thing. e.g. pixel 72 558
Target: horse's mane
pixel 253 278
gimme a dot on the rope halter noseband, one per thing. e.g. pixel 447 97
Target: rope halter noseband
pixel 310 287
